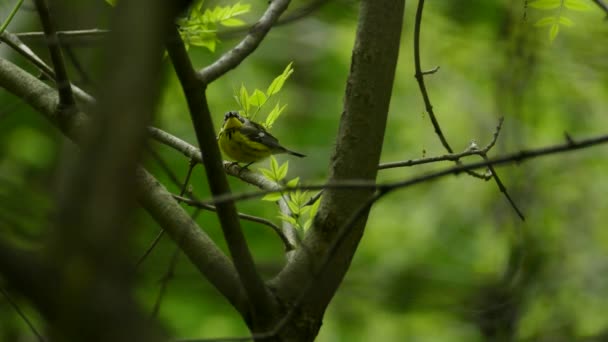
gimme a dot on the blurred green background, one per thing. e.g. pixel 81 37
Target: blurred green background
pixel 442 261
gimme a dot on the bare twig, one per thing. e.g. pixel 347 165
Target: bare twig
pixel 164 282
pixel 429 107
pixel 22 314
pixel 11 16
pixel 516 157
pixel 16 44
pixel 420 78
pixel 236 55
pixel 176 181
pixel 66 98
pixel 447 157
pixel 288 245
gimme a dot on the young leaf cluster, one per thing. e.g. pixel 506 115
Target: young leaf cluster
pixel 558 17
pixel 200 27
pixel 250 104
pixel 302 214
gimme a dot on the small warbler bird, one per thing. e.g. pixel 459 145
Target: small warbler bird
pixel 245 141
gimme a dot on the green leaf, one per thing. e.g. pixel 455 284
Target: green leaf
pixel 282 172
pixel 295 209
pixel 314 207
pixel 274 115
pixel 577 5
pixel 545 4
pixel 293 183
pixel 232 22
pixel 553 32
pixel 545 21
pixel 307 224
pixel 267 173
pixel 304 210
pixel 112 2
pixel 273 197
pixel 257 98
pixel 565 21
pixel 274 166
pixel 288 219
pixel 276 84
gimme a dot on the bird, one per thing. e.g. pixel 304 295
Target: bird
pixel 245 141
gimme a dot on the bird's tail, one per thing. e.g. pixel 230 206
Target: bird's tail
pixel 295 153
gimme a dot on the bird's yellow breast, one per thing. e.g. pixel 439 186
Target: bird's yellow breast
pixel 237 146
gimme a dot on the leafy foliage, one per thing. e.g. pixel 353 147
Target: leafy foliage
pixel 251 104
pixel 200 27
pixel 559 19
pixel 302 212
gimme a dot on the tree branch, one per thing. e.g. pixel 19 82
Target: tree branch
pixel 66 99
pixel 356 155
pixel 262 304
pixel 429 108
pixel 470 151
pixel 197 204
pixel 236 55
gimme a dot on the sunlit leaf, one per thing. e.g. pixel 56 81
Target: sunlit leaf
pixel 315 207
pixel 295 209
pixel 545 4
pixel 232 22
pixel 267 173
pixel 282 172
pixel 274 115
pixel 545 21
pixel 257 98
pixel 273 197
pixel 293 183
pixel 276 84
pixel 565 21
pixel 577 5
pixel 553 32
pixel 288 219
pixel 274 166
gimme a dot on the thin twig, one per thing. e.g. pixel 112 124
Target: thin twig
pixel 149 250
pixel 13 41
pixel 21 314
pixel 420 78
pixel 11 16
pixel 165 282
pixel 176 181
pixel 516 157
pixel 197 204
pixel 236 55
pixel 66 98
pixel 446 157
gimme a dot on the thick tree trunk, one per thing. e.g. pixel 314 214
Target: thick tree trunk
pixel 332 242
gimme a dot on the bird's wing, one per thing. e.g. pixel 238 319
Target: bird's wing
pixel 257 133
